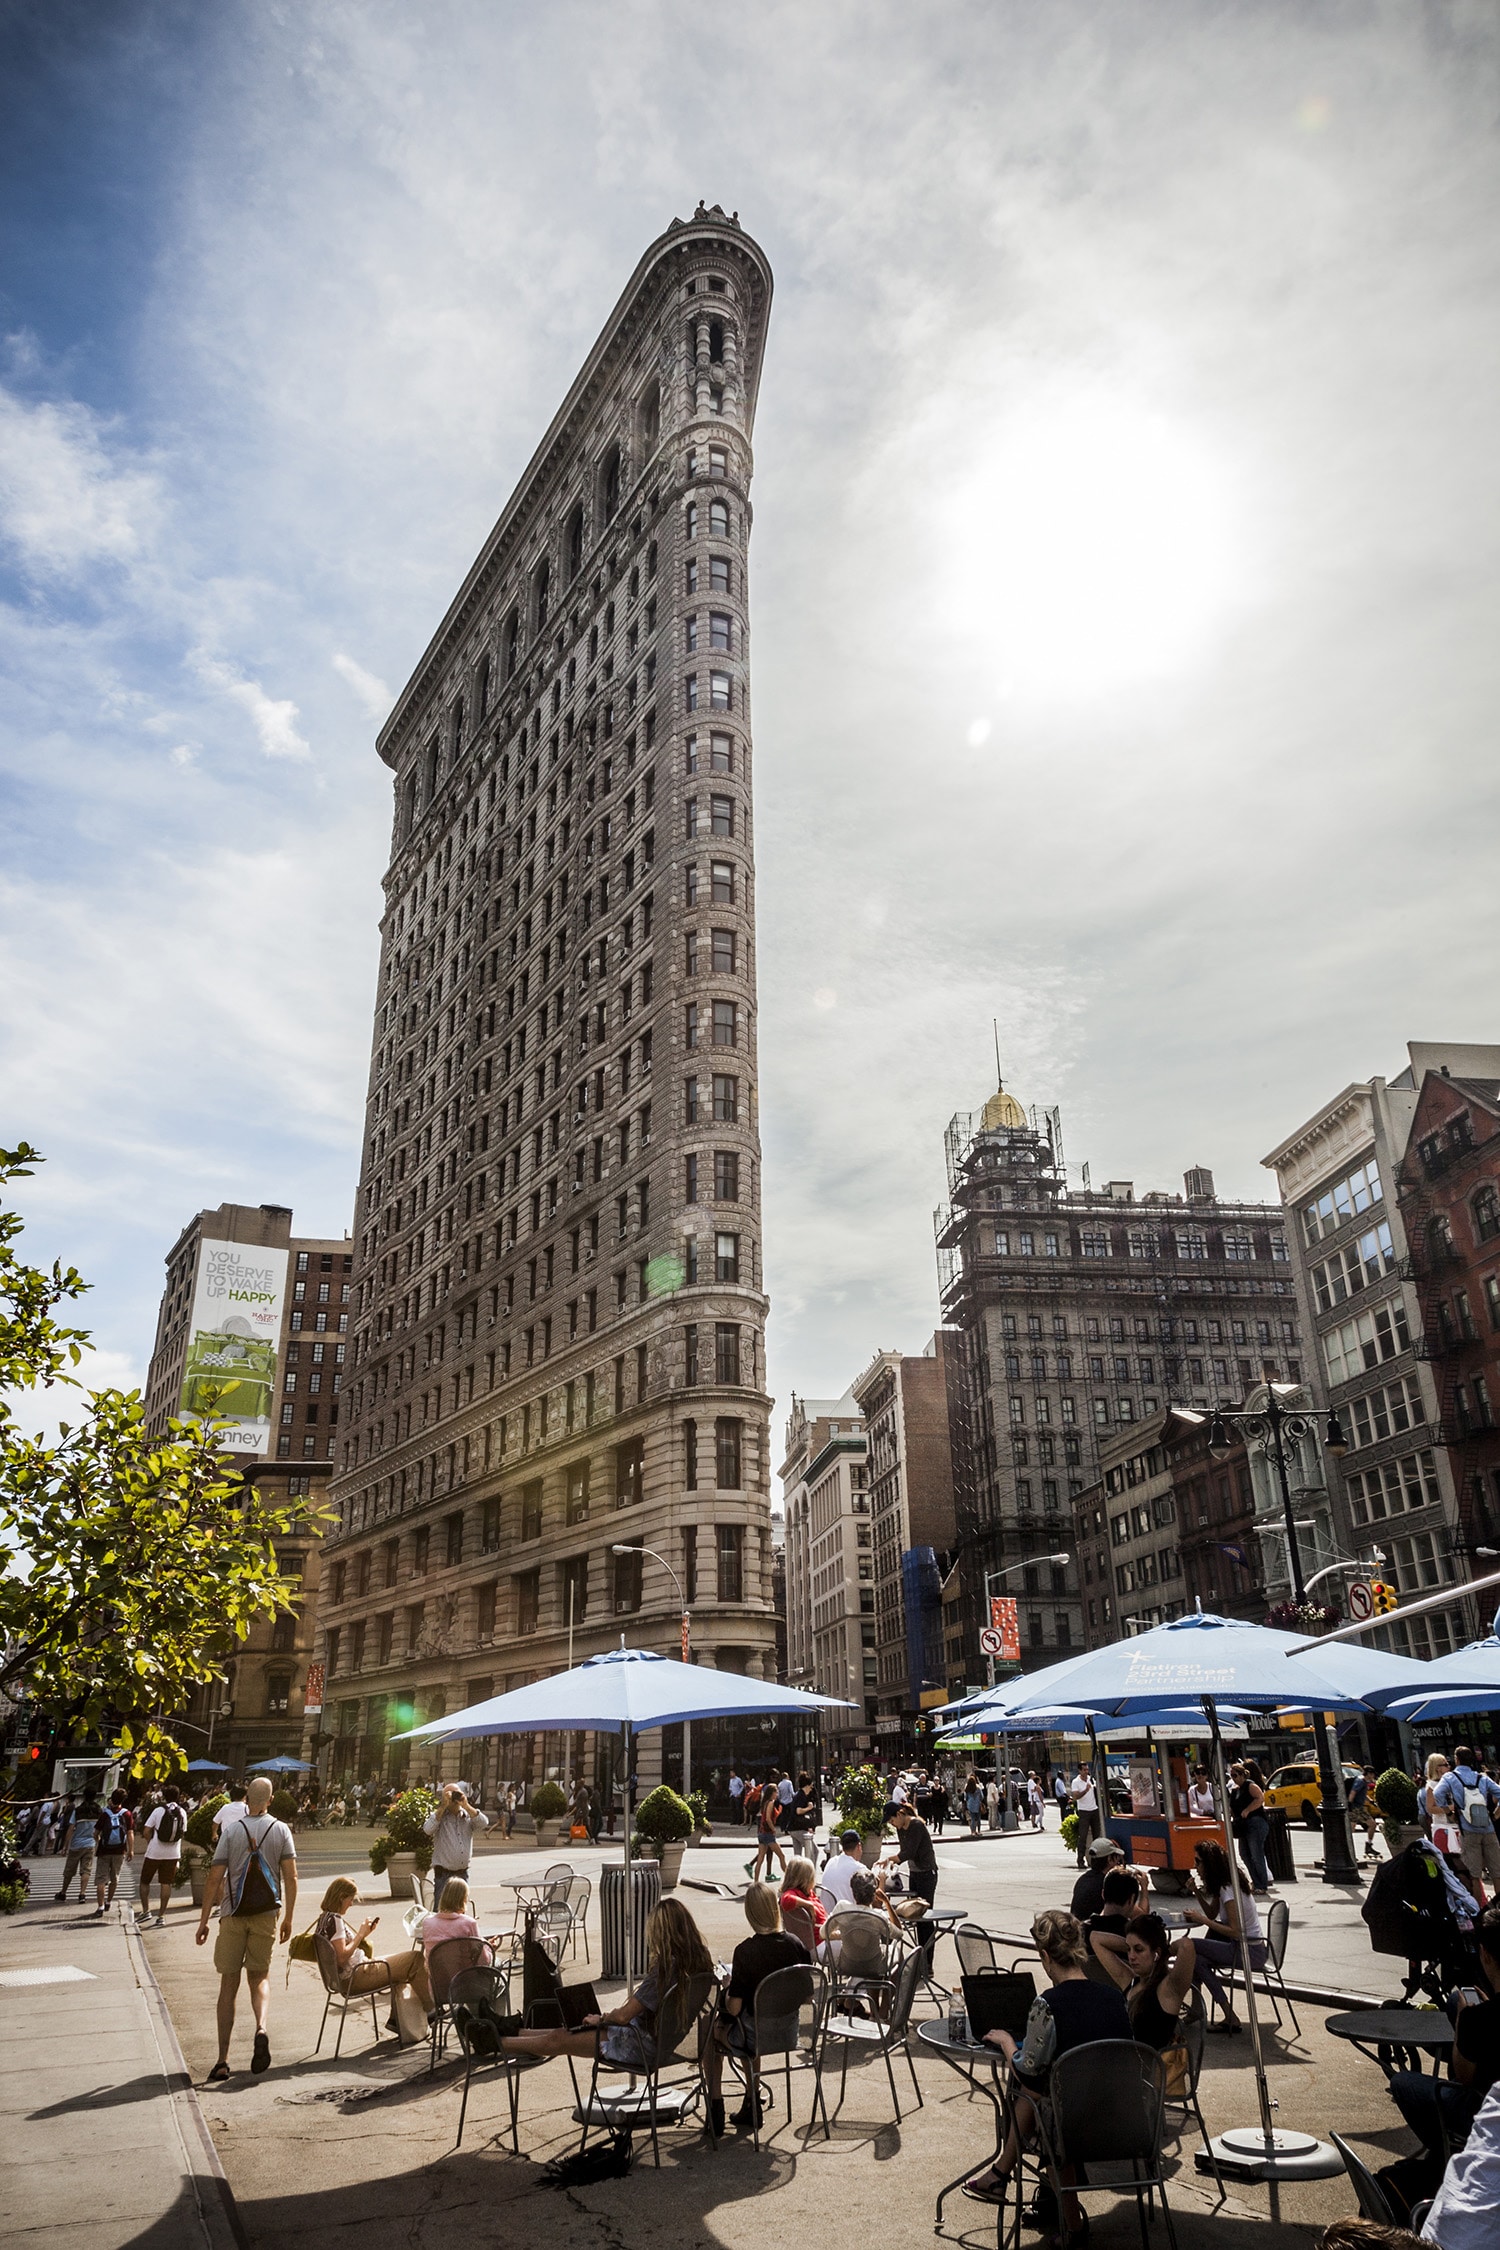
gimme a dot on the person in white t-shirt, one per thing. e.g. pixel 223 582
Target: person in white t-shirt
pixel 842 1867
pixel 1086 1804
pixel 164 1831
pixel 227 1815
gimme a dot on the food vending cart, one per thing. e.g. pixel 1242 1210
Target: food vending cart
pixel 1158 1832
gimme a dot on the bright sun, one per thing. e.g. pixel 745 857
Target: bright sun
pixel 1097 543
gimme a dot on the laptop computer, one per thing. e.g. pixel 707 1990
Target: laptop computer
pixel 998 2000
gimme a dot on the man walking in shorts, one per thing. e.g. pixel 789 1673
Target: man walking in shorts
pixel 114 1843
pixel 255 1861
pixel 80 1847
pixel 165 1829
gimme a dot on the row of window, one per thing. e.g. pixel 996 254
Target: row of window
pixel 1191 1244
pixel 1118 1367
pixel 1168 1329
pixel 1148 1570
pixel 1365 1341
pixel 1346 1199
pixel 1355 1267
pixel 1392 1489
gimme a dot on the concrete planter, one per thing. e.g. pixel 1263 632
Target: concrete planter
pixel 669 1858
pixel 549 1834
pixel 196 1863
pixel 870 1847
pixel 399 1870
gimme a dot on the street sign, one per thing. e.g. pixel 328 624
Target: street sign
pixel 991 1640
pixel 1361 1601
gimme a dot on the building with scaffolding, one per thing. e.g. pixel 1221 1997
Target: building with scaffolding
pixel 1379 1354
pixel 1080 1312
pixel 904 1399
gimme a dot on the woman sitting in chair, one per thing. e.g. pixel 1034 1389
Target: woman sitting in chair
pixel 767 1949
pixel 626 2037
pixel 453 1918
pixel 1160 1981
pixel 1073 2013
pixel 800 1892
pixel 402 1973
pixel 1217 1924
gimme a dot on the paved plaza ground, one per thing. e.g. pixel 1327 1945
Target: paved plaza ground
pixel 108 2143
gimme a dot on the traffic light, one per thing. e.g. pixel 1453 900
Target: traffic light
pixel 1382 1596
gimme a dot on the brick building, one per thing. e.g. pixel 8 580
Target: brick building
pixel 1448 1193
pixel 1163 1527
pixel 904 1400
pixel 1081 1314
pixel 830 1564
pixel 1370 1357
pixel 259 1711
pixel 560 1309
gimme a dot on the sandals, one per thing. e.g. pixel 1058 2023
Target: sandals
pixel 218 2074
pixel 993 2191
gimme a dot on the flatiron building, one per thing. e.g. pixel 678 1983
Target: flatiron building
pixel 555 1414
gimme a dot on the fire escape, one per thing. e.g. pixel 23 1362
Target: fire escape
pixel 1429 1178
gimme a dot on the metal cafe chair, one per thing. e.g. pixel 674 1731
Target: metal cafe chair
pixel 336 1997
pixel 1106 2106
pixel 885 2034
pixel 685 2016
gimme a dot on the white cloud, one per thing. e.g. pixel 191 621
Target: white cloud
pixel 375 696
pixel 64 502
pixel 274 721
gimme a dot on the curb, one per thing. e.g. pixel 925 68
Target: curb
pixel 218 2214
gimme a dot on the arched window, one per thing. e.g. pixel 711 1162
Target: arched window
pixel 1486 1208
pixel 482 681
pixel 690 520
pixel 650 422
pixel 511 644
pixel 455 739
pixel 718 519
pixel 575 541
pixel 432 770
pixel 609 484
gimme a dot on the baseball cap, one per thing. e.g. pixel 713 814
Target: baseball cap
pixel 1105 1847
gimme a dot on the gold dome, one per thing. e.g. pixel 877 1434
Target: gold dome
pixel 1003 1110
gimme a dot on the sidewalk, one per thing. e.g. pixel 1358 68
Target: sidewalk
pixel 104 2141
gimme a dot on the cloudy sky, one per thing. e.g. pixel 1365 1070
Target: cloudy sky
pixel 1124 572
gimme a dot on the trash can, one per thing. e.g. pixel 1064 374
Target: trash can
pixel 645 1882
pixel 1279 1847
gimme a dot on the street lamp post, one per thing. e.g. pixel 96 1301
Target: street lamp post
pixel 687 1724
pixel 993 1577
pixel 1272 1425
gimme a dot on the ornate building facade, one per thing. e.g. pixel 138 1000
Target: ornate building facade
pixel 556 1411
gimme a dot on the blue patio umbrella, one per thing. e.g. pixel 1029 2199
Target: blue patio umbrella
pixel 1468 1679
pixel 282 1765
pixel 1222 1661
pixel 205 1765
pixel 621 1692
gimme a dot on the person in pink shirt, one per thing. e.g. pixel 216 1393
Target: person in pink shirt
pixel 452 1918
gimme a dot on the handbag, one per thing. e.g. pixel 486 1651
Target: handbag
pixel 543 1993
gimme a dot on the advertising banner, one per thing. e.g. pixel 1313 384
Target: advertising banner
pixel 234 1332
pixel 1005 1621
pixel 312 1695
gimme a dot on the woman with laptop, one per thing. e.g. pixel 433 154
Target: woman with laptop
pixel 1073 2012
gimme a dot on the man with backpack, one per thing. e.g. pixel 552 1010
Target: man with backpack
pixel 1474 1799
pixel 253 1882
pixel 165 1829
pixel 75 1829
pixel 114 1843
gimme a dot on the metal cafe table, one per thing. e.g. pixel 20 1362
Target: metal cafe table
pixel 968 2057
pixel 1396 2037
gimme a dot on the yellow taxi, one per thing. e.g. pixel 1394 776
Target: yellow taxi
pixel 1297 1791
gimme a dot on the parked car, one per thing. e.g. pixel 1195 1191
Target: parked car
pixel 1297 1791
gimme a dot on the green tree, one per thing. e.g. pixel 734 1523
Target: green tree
pixel 130 1564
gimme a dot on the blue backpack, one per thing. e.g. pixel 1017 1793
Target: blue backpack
pixel 260 1882
pixel 110 1831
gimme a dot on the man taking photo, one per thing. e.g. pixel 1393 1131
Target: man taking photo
pixel 453 1828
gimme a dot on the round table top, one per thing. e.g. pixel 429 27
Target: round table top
pixel 936 2035
pixel 1396 2027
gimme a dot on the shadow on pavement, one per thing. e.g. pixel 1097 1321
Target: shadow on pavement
pixel 146 2088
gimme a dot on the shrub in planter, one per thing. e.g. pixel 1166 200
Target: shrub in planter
pixel 663 1818
pixel 15 1882
pixel 1070 1831
pixel 1396 1796
pixel 548 1803
pixel 861 1800
pixel 403 1831
pixel 283 1806
pixel 200 1827
pixel 698 1801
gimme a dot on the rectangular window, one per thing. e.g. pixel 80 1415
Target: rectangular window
pixel 627 1579
pixel 727 1103
pixel 1345 1200
pixel 454 1529
pixel 489 1536
pixel 726 1023
pixel 720 630
pixel 721 698
pixel 730 1547
pixel 721 753
pixel 728 1438
pixel 721 882
pixel 419 1546
pixel 690 1457
pixel 690 1024
pixel 690 1179
pixel 726 1257
pixel 630 1461
pixel 528 1588
pixel 724 953
pixel 486 1616
pixel 726 1176
pixel 531 1509
pixel 578 1491
pixel 726 1352
pixel 721 813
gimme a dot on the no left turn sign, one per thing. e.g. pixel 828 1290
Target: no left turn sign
pixel 1361 1601
pixel 991 1642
